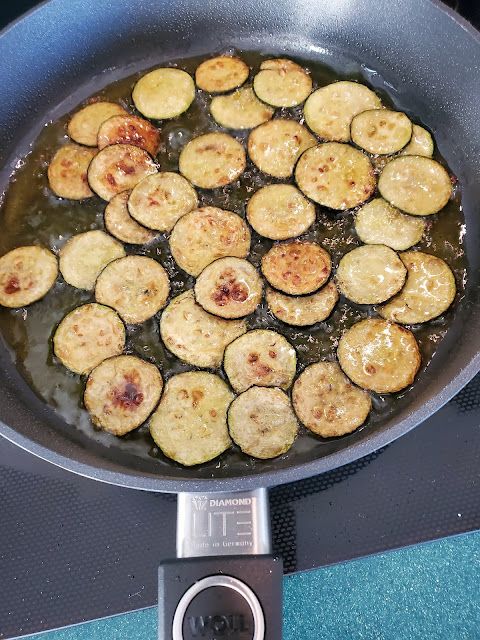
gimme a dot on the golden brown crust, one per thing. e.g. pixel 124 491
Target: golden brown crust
pixel 128 129
pixel 26 275
pixel 220 74
pixel 67 172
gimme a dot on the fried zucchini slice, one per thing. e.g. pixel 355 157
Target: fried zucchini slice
pixel 120 224
pixel 330 110
pixel 205 234
pixel 335 175
pixel 302 311
pixel 164 93
pixel 128 129
pixel 262 423
pixel 377 222
pixel 121 393
pixel 240 110
pixel 85 255
pixel 421 143
pixel 117 168
pixel 67 172
pixel 84 125
pixel 159 200
pixel 137 288
pixel 190 423
pixel 220 74
pixel 379 355
pixel 260 357
pixel 296 267
pixel 429 291
pixel 212 160
pixel 327 403
pixel 417 185
pixel 229 288
pixel 26 275
pixel 282 83
pixel 274 147
pixel 88 335
pixel 280 211
pixel 370 274
pixel 381 131
pixel 194 335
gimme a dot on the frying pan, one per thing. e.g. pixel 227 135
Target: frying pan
pixel 61 52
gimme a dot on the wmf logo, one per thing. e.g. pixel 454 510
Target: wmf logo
pixel 200 503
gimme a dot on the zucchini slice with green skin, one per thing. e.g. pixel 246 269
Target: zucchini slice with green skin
pixel 262 423
pixel 128 129
pixel 274 147
pixel 303 311
pixel 84 125
pixel 280 211
pixel 159 200
pixel 190 423
pixel 205 234
pixel 330 110
pixel 335 175
pixel 120 224
pixel 26 275
pixel 67 172
pixel 240 110
pixel 260 357
pixel 282 83
pixel 327 403
pixel 229 288
pixel 381 131
pixel 121 393
pixel 220 74
pixel 85 255
pixel 195 336
pixel 137 288
pixel 212 160
pixel 88 335
pixel 296 268
pixel 379 355
pixel 421 143
pixel 377 222
pixel 117 168
pixel 164 93
pixel 417 185
pixel 429 291
pixel 370 274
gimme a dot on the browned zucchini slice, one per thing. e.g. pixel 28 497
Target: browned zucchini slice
pixel 128 129
pixel 67 172
pixel 220 74
pixel 26 275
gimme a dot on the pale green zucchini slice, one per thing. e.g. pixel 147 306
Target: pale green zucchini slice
pixel 212 160
pixel 121 393
pixel 194 335
pixel 190 423
pixel 26 275
pixel 220 74
pixel 84 125
pixel 280 211
pixel 429 291
pixel 85 255
pixel 421 143
pixel 296 268
pixel 128 129
pixel 240 110
pixel 302 311
pixel 335 175
pixel 379 355
pixel 262 423
pixel 327 403
pixel 370 274
pixel 261 357
pixel 282 83
pixel 381 131
pixel 205 234
pixel 330 110
pixel 67 172
pixel 120 224
pixel 377 222
pixel 275 146
pixel 415 184
pixel 164 93
pixel 88 335
pixel 137 288
pixel 229 288
pixel 159 200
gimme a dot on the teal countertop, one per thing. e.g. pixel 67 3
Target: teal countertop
pixel 426 592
